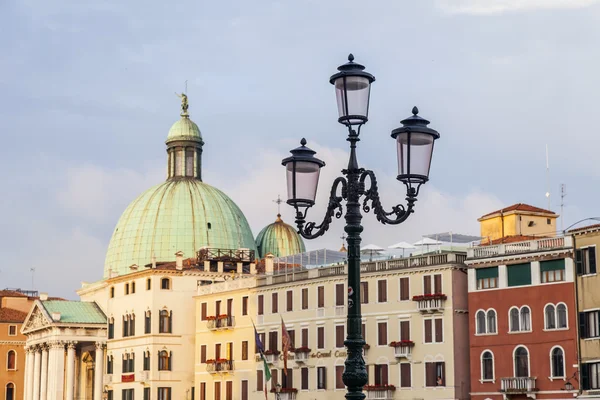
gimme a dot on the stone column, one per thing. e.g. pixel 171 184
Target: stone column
pixel 70 389
pixel 44 374
pixel 30 372
pixel 37 367
pixel 56 370
pixel 99 371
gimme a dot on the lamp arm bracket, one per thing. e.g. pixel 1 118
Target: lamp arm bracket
pixel 399 212
pixel 334 208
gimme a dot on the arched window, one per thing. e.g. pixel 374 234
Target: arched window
pixel 10 391
pixel 561 315
pixel 11 360
pixel 514 319
pixel 550 316
pixel 165 321
pixel 487 366
pixel 525 319
pixel 164 361
pixel 557 361
pixel 491 321
pixel 521 362
pixel 165 284
pixel 480 320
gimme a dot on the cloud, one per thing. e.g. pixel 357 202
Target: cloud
pixel 491 7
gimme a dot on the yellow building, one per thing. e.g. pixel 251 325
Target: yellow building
pixel 415 323
pixel 518 220
pixel 586 240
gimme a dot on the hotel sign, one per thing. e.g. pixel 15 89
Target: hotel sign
pixel 128 378
pixel 318 354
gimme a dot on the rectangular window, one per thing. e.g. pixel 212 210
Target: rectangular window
pixel 404 330
pixel 589 324
pixel 304 337
pixel 487 278
pixel 244 390
pixel 339 294
pixel 274 303
pixel 109 395
pixel 146 361
pixel 203 353
pixel 164 393
pixel 259 380
pixel 261 304
pixel 428 330
pixel 320 337
pixel 364 292
pixel 274 379
pixel 590 376
pixel 292 335
pixel 439 334
pixel 339 383
pixel 148 284
pixel 147 323
pixel 202 390
pixel 289 300
pixel 382 334
pixel 321 297
pixel 382 291
pixel 552 270
pixel 519 274
pixel 321 378
pixel 437 284
pixel 204 313
pixel 245 305
pixel 217 350
pixel 435 374
pixel 339 336
pixel 304 378
pixel 218 308
pixel 404 289
pixel 427 284
pixel 146 393
pixel 244 350
pixel 12 330
pixel 287 380
pixel 217 390
pixel 405 375
pixel 305 299
pixel 229 390
pixel 273 340
pixel 434 331
pixel 381 374
pixel 127 394
pixel 585 260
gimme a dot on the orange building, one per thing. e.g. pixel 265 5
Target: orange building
pixel 14 306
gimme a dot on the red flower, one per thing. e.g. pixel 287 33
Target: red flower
pixel 302 349
pixel 379 387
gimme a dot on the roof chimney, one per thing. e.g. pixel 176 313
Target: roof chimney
pixel 153 261
pixel 43 296
pixel 56 316
pixel 179 260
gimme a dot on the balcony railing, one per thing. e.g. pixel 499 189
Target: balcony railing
pixel 272 357
pixel 287 396
pixel 518 385
pixel 430 302
pixel 525 246
pixel 220 323
pixel 403 351
pixel 219 367
pixel 384 394
pixel 301 357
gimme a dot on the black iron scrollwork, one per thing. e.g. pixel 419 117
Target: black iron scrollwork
pixel 399 212
pixel 334 208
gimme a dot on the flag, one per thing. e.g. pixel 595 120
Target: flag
pixel 286 345
pixel 259 345
pixel 261 349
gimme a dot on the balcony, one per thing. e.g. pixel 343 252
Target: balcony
pixel 430 302
pixel 384 392
pixel 403 348
pixel 302 354
pixel 272 356
pixel 526 246
pixel 220 366
pixel 286 394
pixel 221 322
pixel 521 385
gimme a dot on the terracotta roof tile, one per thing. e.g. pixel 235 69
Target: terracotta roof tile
pixel 521 207
pixel 12 315
pixel 11 293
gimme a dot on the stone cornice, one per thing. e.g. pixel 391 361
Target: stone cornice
pixel 519 258
pixel 12 343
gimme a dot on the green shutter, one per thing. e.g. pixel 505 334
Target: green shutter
pixel 483 273
pixel 519 274
pixel 552 265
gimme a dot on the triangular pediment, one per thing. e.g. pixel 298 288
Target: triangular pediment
pixel 37 318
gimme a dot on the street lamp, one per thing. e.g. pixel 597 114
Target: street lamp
pixel 414 141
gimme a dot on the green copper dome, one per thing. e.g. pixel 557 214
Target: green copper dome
pixel 179 214
pixel 184 129
pixel 279 239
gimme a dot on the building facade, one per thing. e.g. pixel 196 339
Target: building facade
pixel 523 320
pixel 517 220
pixel 415 323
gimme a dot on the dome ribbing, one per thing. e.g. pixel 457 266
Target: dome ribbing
pixel 279 239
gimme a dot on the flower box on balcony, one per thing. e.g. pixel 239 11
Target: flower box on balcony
pixel 286 393
pixel 272 352
pixel 374 388
pixel 402 343
pixel 211 318
pixel 430 296
pixel 302 349
pixel 285 390
pixel 272 356
pixel 222 316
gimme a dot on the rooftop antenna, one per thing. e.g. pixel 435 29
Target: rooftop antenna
pixel 563 194
pixel 278 201
pixel 32 275
pixel 547 177
pixel 185 87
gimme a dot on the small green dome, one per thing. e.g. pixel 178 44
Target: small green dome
pixel 179 214
pixel 279 239
pixel 184 129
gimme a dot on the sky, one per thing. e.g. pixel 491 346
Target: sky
pixel 87 96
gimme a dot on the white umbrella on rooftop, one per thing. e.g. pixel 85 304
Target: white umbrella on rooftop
pixel 403 246
pixel 426 242
pixel 370 249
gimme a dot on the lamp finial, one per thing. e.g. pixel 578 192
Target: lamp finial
pixel 415 110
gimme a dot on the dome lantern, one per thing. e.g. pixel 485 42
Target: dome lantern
pixel 279 239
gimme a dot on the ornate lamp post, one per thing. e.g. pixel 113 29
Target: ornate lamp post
pixel 414 146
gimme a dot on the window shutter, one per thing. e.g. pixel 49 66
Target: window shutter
pixel 305 298
pixel 339 383
pixel 403 288
pixel 170 361
pixel 585 376
pixel 592 257
pixel 428 336
pixel 321 297
pixel 443 373
pixel 339 336
pixel 437 281
pixel 261 303
pixel 290 300
pixel 429 374
pixel 364 292
pixel 245 312
pixel 132 322
pixel 384 374
pixel 382 333
pixel 405 330
pixel 290 378
pixel 244 390
pixel 218 308
pixel 339 294
pixel 320 337
pixel 405 375
pixel 124 394
pixel 427 284
pixel 583 328
pixel 259 380
pixel 579 261
pixel 274 301
pixel 305 337
pixel 324 378
pixel 273 378
pixel 169 394
pixel 304 376
pixel 229 390
pixel 132 358
pixel 382 289
pixel 438 330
